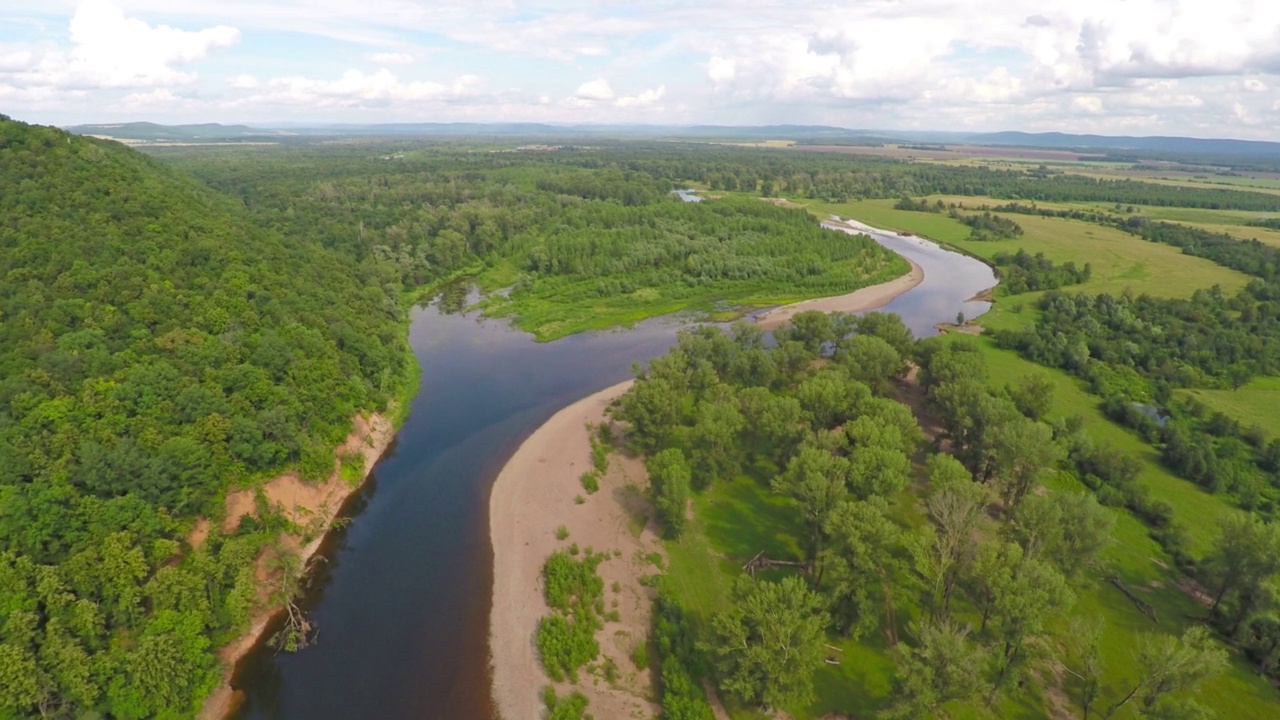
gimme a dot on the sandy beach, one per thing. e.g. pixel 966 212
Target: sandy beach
pixel 533 495
pixel 861 300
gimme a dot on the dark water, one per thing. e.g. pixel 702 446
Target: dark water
pixel 402 604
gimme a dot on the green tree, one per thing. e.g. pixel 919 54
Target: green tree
pixel 713 439
pixel 863 566
pixel 1022 451
pixel 870 360
pixel 669 483
pixel 957 508
pixel 817 480
pixel 1168 665
pixel 1067 529
pixel 943 666
pixel 1033 395
pixel 1242 565
pixel 767 647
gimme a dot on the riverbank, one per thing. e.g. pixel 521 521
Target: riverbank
pixel 861 300
pixel 311 505
pixel 533 496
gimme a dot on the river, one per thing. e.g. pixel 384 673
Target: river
pixel 401 604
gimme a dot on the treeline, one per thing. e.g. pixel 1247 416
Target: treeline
pixel 156 349
pixel 1023 272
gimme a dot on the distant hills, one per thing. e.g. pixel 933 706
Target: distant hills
pixel 807 134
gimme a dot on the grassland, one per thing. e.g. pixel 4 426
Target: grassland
pixel 1257 403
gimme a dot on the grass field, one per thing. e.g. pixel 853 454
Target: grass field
pixel 1120 261
pixel 1257 403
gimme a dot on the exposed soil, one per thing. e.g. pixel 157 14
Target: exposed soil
pixel 312 506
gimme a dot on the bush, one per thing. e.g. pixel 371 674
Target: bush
pixel 591 481
pixel 572 707
pixel 682 695
pixel 640 656
pixel 564 646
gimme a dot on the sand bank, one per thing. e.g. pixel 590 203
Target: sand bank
pixel 534 495
pixel 862 300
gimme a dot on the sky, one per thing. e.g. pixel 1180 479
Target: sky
pixel 1207 68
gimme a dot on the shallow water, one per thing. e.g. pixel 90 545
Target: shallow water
pixel 402 603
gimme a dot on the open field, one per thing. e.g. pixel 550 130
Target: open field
pixel 952 152
pixel 1120 261
pixel 1257 403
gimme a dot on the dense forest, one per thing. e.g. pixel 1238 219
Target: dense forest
pixel 156 349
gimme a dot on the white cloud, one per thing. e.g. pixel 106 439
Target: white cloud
pixel 644 99
pixel 594 90
pixel 357 89
pixel 1165 66
pixel 390 58
pixel 109 50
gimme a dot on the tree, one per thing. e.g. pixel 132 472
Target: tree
pixel 818 480
pixel 943 666
pixel 775 423
pixel 957 507
pixel 1168 664
pixel 1083 660
pixel 714 436
pixel 831 397
pixel 970 414
pixel 888 327
pixel 812 329
pixel 1243 563
pixel 870 360
pixel 652 406
pixel 1022 594
pixel 1033 395
pixel 1021 451
pixel 1066 529
pixel 669 483
pixel 862 565
pixel 767 647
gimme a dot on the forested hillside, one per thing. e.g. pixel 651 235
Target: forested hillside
pixel 155 349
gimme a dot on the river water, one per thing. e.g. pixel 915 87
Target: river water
pixel 402 603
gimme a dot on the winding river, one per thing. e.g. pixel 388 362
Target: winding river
pixel 402 603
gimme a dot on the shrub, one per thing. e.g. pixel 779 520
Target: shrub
pixel 591 481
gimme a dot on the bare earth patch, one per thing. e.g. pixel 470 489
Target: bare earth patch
pixel 312 506
pixel 533 496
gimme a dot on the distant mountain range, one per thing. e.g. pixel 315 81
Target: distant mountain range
pixel 809 134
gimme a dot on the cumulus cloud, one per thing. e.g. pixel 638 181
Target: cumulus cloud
pixel 594 90
pixel 110 50
pixel 644 99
